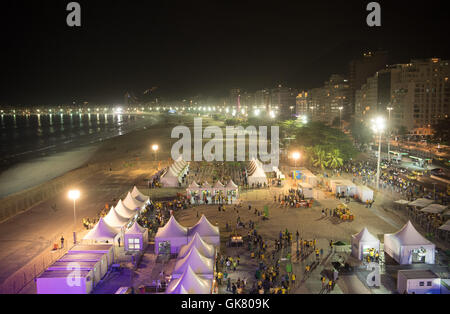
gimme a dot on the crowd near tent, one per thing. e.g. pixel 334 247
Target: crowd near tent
pixel 201 265
pixel 420 203
pixel 115 220
pixel 189 283
pixel 343 186
pixel 173 176
pixel 255 173
pixel 136 238
pixel 434 209
pixel 199 194
pixel 203 248
pixel 171 237
pixel 209 233
pixel 102 232
pixel 408 246
pixel 362 242
pixel 364 193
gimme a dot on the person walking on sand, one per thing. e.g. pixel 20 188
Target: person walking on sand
pixel 62 242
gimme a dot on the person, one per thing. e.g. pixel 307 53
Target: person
pixel 62 242
pixel 118 240
pixel 229 284
pixel 233 288
pixel 323 281
pixel 330 284
pixel 293 279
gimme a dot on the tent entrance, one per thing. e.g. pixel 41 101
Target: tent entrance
pixel 418 256
pixel 164 247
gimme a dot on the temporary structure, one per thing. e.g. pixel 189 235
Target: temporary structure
pixel 309 177
pixel 132 203
pixel 173 235
pixel 136 238
pixel 190 283
pixel 93 266
pixel 408 246
pixel 172 177
pixel 100 258
pixel 307 190
pixel 201 265
pixel 256 173
pixel 420 203
pixel 102 232
pixel 115 220
pixel 418 281
pixel 124 211
pixel 136 194
pixel 209 233
pixel 218 188
pixel 364 193
pixel 434 209
pixel 203 248
pixel 95 248
pixel 362 242
pixel 346 186
pixel 55 282
pixel 232 189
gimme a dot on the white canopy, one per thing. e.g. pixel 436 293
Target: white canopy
pixel 421 203
pixel 136 229
pixel 218 186
pixel 132 203
pixel 200 264
pixel 364 193
pixel 362 241
pixel 136 194
pixel 231 185
pixel 190 283
pixel 193 186
pixel 172 232
pixel 209 233
pixel 114 219
pixel 206 186
pixel 445 227
pixel 203 248
pixel 173 175
pixel 400 245
pixel 124 211
pixel 102 232
pixel 256 173
pixel 434 209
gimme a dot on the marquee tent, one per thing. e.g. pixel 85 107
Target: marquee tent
pixel 256 173
pixel 172 234
pixel 434 209
pixel 115 220
pixel 278 173
pixel 132 203
pixel 420 203
pixel 201 265
pixel 346 186
pixel 136 238
pixel 124 211
pixel 172 177
pixel 364 193
pixel 209 233
pixel 137 195
pixel 203 248
pixel 102 232
pixel 407 246
pixel 190 283
pixel 362 242
pixel 218 187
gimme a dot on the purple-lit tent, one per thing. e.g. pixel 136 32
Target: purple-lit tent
pixel 203 248
pixel 189 283
pixel 136 238
pixel 209 233
pixel 200 264
pixel 102 232
pixel 172 233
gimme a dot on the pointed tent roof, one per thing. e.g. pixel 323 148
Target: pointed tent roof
pixel 231 185
pixel 171 229
pixel 204 228
pixel 218 185
pixel 136 194
pixel 206 185
pixel 114 219
pixel 135 229
pixel 199 263
pixel 203 248
pixel 124 211
pixel 193 185
pixel 132 203
pixel 408 235
pixel 365 236
pixel 189 282
pixel 101 231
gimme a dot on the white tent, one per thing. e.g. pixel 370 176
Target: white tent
pixel 124 211
pixel 407 246
pixel 136 238
pixel 232 189
pixel 362 242
pixel 420 203
pixel 102 232
pixel 307 190
pixel 190 283
pixel 209 233
pixel 114 219
pixel 364 193
pixel 434 209
pixel 203 248
pixel 137 195
pixel 172 234
pixel 256 173
pixel 278 173
pixel 132 203
pixel 346 186
pixel 218 186
pixel 172 177
pixel 201 265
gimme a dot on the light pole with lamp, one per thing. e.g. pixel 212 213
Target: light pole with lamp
pixel 155 148
pixel 389 109
pixel 74 195
pixel 295 156
pixel 340 117
pixel 378 126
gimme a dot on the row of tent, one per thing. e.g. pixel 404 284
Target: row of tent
pixel 255 173
pixel 175 173
pixel 109 228
pixel 350 189
pixel 399 245
pixel 197 193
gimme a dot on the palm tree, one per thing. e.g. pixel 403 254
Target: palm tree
pixel 334 159
pixel 320 158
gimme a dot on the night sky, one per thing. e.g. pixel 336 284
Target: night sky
pixel 190 47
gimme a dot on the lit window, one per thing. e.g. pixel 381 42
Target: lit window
pixel 134 244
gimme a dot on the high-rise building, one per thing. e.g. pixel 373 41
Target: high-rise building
pixel 262 99
pixel 284 99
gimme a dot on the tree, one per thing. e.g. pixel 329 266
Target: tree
pixel 334 159
pixel 320 158
pixel 361 133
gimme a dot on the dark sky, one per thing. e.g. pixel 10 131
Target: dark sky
pixel 189 47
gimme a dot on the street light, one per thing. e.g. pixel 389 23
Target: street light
pixel 378 125
pixel 389 133
pixel 74 195
pixel 295 156
pixel 340 117
pixel 155 148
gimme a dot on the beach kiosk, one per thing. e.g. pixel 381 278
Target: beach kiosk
pixel 362 242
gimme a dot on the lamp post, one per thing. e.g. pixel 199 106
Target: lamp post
pixel 340 117
pixel 155 148
pixel 389 133
pixel 378 126
pixel 74 195
pixel 295 156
